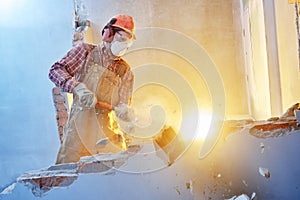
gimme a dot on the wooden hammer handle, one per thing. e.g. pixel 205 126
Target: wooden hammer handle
pixel 104 105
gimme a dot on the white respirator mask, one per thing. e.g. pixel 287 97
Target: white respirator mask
pixel 119 48
pixel 120 44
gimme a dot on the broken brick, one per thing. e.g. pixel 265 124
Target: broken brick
pixel 56 91
pixel 275 129
pixel 274 126
pixel 62 121
pixel 59 99
pixel 62 115
pixel 60 129
pixel 60 107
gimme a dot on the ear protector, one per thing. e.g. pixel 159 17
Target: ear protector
pixel 108 31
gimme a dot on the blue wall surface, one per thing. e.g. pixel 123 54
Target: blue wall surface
pixel 34 34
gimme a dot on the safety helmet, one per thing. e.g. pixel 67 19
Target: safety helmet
pixel 123 22
pixel 126 23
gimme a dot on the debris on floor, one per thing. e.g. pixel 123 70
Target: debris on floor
pixel 9 189
pixel 262 147
pixel 253 196
pixel 273 127
pixel 264 172
pixel 189 186
pixel 178 191
pixel 245 183
pixel 169 145
pixel 243 197
pixel 276 126
pixel 102 142
pixel 63 175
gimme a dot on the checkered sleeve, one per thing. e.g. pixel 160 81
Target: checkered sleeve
pixel 62 72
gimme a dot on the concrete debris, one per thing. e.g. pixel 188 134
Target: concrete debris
pixel 274 129
pixel 42 181
pixel 189 186
pixel 169 145
pixel 63 175
pixel 297 115
pixel 277 126
pixel 102 142
pixel 245 183
pixel 290 111
pixel 178 191
pixel 232 198
pixel 264 172
pixel 101 163
pixel 272 119
pixel 66 166
pixel 241 197
pixel 253 196
pixel 262 147
pixel 9 189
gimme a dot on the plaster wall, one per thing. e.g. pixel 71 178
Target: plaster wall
pixel 287 53
pixel 213 25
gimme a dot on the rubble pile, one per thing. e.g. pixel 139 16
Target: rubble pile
pixel 63 175
pixel 274 127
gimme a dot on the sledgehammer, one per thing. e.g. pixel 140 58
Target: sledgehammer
pixel 125 128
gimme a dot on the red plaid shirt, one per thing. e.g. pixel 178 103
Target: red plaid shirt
pixel 62 73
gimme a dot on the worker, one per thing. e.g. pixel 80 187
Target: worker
pixel 101 81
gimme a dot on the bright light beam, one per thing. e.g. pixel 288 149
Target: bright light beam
pixel 205 118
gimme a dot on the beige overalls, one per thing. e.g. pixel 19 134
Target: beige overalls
pixel 86 126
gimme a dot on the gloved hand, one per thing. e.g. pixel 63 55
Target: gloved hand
pixel 86 97
pixel 123 112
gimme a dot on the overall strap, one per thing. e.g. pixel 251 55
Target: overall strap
pixel 96 57
pixel 122 69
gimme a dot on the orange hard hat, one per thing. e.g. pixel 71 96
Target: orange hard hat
pixel 126 23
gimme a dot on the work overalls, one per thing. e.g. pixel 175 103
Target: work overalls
pixel 86 126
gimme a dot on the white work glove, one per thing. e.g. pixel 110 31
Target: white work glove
pixel 86 97
pixel 123 112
